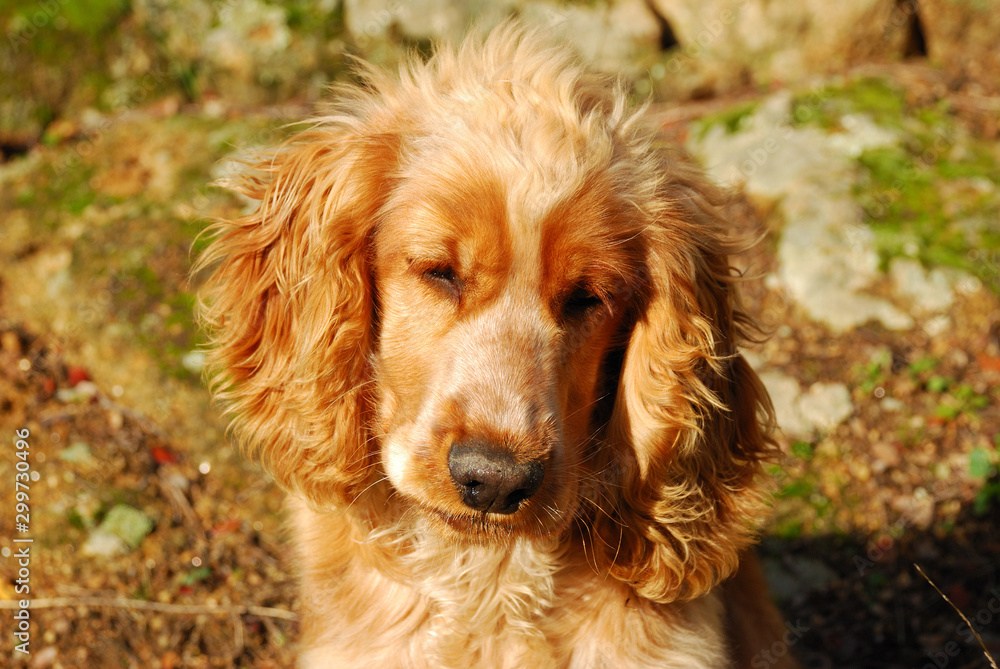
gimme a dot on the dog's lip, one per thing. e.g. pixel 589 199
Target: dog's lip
pixel 475 524
pixel 464 522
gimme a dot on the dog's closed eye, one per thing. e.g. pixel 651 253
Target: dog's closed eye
pixel 580 302
pixel 444 278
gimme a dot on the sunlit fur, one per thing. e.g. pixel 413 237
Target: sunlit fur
pixel 490 244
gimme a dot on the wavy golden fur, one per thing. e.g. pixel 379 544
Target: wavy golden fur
pixel 485 332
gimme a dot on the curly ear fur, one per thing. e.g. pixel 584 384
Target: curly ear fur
pixel 691 421
pixel 289 306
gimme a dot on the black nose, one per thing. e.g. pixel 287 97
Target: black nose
pixel 490 480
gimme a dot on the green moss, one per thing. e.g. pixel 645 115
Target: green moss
pixel 877 98
pixel 924 364
pixel 796 489
pixel 58 195
pixel 913 195
pixel 75 520
pixel 788 529
pixel 302 16
pixel 872 375
pixel 802 450
pixel 824 107
pixel 26 197
pixel 90 17
pixel 732 120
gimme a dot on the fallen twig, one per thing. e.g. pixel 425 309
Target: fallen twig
pixel 181 609
pixel 945 597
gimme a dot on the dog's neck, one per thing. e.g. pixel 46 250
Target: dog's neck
pixel 388 577
pixel 516 576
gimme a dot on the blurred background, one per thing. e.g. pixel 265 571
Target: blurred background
pixel 861 138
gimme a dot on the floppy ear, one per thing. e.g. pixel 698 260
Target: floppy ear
pixel 691 421
pixel 289 309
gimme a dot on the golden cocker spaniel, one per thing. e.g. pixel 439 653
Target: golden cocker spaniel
pixel 485 332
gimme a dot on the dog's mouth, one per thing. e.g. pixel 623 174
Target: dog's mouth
pixel 482 527
pixel 475 525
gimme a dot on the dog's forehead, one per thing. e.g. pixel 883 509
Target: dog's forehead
pixel 500 209
pixel 508 171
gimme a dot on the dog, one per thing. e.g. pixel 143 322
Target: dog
pixel 484 330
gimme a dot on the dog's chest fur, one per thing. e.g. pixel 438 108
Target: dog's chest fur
pixel 428 603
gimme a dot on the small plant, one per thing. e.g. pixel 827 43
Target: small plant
pixel 961 399
pixel 983 465
pixel 802 450
pixel 732 120
pixel 872 376
pixel 924 364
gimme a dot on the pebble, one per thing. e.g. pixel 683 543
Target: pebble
pixel 124 523
pixel 826 405
pixel 928 291
pixel 802 415
pixel 78 451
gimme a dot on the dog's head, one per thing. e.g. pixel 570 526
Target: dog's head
pixel 479 289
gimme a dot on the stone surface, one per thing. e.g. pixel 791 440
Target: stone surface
pixel 615 37
pixel 103 544
pixel 826 405
pixel 802 415
pixel 929 291
pixel 734 41
pixel 785 392
pixel 962 34
pixel 245 52
pixel 826 256
pixel 127 523
pixel 374 20
pixel 78 451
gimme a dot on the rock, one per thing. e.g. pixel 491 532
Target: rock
pixel 768 156
pixel 802 415
pixel 917 509
pixel 122 529
pixel 81 392
pixel 892 404
pixel 928 291
pixel 246 52
pixel 963 36
pixel 826 256
pixel 374 20
pixel 77 452
pixel 732 43
pixel 937 325
pixel 885 455
pixel 785 392
pixel 104 544
pixel 46 657
pixel 860 134
pixel 193 361
pixel 619 36
pixel 826 405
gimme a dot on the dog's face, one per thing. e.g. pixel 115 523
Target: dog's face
pixel 500 289
pixel 479 293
